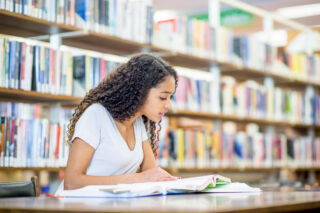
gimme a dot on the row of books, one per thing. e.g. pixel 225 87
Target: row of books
pixel 185 35
pixel 127 19
pixel 247 99
pixel 251 99
pixel 32 65
pixel 252 52
pixel 34 136
pixel 200 148
pixel 60 11
pixel 301 65
pixel 27 139
pixel 196 37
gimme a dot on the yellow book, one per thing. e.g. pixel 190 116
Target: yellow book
pixel 216 145
pixel 209 140
pixel 295 64
pixel 180 147
pixel 302 68
pixel 200 151
pixel 270 104
pixel 88 73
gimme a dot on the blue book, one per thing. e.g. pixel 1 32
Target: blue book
pixel 11 66
pixel 47 70
pixel 198 83
pixel 23 4
pixel 17 65
pixel 80 9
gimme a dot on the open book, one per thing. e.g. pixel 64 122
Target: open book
pixel 211 183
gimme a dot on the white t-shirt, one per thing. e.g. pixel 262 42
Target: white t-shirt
pixel 112 156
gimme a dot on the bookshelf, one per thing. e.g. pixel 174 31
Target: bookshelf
pixel 35 169
pixel 104 43
pixel 36 97
pixel 206 115
pixel 239 72
pixel 25 26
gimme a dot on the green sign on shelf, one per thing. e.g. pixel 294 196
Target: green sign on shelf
pixel 235 18
pixel 202 17
pixel 229 18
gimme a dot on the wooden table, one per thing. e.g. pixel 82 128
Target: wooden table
pixel 224 202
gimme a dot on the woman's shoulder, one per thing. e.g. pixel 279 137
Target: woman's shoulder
pixel 95 110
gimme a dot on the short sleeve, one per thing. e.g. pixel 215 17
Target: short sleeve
pixel 88 126
pixel 144 135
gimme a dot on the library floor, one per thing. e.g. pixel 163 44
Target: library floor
pixel 266 201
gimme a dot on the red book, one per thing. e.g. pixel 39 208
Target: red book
pixel 52 82
pixel 102 69
pixel 23 62
pixel 56 154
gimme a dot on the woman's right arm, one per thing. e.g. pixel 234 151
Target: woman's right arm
pixel 79 158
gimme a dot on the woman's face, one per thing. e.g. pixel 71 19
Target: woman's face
pixel 158 100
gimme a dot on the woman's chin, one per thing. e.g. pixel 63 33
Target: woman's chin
pixel 154 118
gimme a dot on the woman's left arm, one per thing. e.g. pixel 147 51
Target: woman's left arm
pixel 149 160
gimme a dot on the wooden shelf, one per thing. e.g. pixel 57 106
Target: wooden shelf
pixel 239 72
pixel 49 169
pixel 36 97
pixel 190 61
pixel 104 43
pixel 207 115
pixel 26 26
pixel 304 169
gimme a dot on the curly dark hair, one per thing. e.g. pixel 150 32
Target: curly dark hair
pixel 125 90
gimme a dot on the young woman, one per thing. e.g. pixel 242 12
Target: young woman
pixel 112 132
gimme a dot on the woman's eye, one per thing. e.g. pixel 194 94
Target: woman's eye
pixel 163 99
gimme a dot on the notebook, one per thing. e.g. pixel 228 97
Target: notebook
pixel 209 184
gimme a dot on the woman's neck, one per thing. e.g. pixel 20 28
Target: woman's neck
pixel 127 123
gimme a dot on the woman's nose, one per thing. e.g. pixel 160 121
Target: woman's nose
pixel 168 104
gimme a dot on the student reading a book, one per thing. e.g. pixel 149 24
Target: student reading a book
pixel 109 129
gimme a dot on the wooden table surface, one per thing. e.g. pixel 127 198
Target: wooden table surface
pixel 209 202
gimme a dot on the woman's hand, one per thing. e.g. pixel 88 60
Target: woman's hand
pixel 156 174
